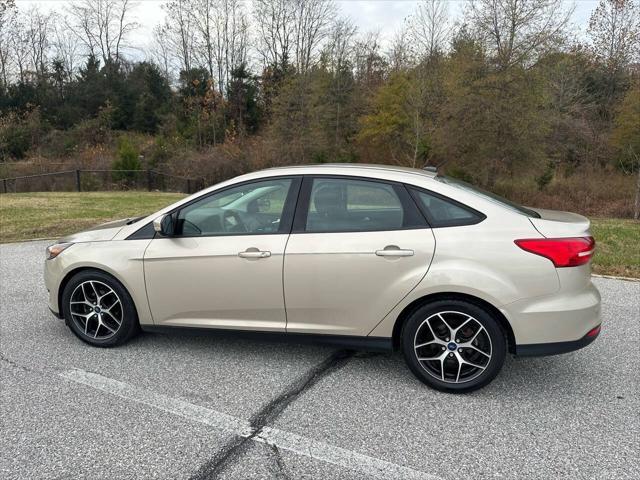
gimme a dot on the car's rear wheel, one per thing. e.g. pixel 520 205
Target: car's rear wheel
pixel 98 309
pixel 453 345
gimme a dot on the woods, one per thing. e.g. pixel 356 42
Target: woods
pixel 507 96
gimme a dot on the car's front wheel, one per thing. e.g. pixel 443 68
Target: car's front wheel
pixel 453 345
pixel 98 309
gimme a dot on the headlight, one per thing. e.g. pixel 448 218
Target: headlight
pixel 56 249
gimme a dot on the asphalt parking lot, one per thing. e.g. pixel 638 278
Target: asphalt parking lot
pixel 171 406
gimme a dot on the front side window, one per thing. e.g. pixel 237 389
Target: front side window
pixel 350 205
pixel 247 209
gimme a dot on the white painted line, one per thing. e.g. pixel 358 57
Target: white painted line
pixel 368 466
pixel 167 404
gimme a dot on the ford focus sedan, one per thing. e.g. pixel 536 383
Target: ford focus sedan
pixel 365 256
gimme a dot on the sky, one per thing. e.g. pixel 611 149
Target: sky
pixel 384 16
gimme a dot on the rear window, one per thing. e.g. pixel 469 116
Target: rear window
pixel 445 212
pixel 488 196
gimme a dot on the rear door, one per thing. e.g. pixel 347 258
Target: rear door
pixel 357 248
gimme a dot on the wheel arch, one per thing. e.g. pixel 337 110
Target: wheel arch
pixel 419 302
pixel 72 273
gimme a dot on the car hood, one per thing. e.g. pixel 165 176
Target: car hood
pixel 100 233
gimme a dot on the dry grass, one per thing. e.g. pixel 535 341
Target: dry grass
pixel 595 194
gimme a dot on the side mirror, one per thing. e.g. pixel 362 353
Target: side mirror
pixel 164 225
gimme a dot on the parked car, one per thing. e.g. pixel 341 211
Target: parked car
pixel 362 255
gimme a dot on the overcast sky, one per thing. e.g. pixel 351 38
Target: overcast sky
pixel 385 16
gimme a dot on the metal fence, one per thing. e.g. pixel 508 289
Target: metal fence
pixel 93 180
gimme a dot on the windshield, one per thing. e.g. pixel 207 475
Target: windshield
pixel 488 195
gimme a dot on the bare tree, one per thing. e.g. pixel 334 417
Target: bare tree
pixel 518 32
pixel 614 28
pixel 312 18
pixel 19 47
pixel 430 26
pixel 291 31
pixel 161 52
pixel 401 53
pixel 102 25
pixel 66 47
pixel 179 32
pixel 38 24
pixel 340 46
pixel 338 55
pixel 8 12
pixel 273 21
pixel 370 65
pixel 221 37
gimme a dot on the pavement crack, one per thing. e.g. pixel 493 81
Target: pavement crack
pixel 18 366
pixel 275 407
pixel 281 471
pixel 212 468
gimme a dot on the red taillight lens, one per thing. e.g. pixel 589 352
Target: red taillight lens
pixel 563 252
pixel 594 332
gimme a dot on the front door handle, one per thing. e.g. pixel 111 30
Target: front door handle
pixel 394 251
pixel 254 253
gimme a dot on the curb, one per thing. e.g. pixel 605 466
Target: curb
pixel 613 277
pixel 29 240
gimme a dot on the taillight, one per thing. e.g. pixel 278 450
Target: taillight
pixel 594 332
pixel 563 252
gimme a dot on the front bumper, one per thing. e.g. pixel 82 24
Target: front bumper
pixel 555 348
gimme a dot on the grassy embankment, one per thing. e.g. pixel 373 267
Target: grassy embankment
pixel 25 216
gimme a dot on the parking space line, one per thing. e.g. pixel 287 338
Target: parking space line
pixel 167 404
pixel 324 452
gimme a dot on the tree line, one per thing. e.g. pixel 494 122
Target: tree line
pixel 508 89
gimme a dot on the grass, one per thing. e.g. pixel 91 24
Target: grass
pixel 617 247
pixel 25 216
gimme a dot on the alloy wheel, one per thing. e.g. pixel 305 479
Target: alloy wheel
pixel 452 347
pixel 96 310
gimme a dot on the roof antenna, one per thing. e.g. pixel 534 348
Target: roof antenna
pixel 430 168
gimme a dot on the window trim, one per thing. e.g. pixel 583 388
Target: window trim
pixel 414 191
pixel 286 220
pixel 406 201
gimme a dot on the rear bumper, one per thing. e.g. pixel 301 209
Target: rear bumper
pixel 555 323
pixel 555 348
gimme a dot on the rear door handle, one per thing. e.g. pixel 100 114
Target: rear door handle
pixel 394 251
pixel 254 253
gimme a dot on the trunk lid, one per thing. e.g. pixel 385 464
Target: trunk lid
pixel 558 224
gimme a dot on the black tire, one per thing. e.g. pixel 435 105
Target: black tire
pixel 493 341
pixel 129 325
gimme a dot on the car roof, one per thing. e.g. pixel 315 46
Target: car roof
pixel 301 169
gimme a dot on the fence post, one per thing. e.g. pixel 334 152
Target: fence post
pixel 4 184
pixel 78 180
pixel 188 185
pixel 149 180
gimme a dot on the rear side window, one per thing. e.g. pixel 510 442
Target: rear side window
pixel 444 212
pixel 350 205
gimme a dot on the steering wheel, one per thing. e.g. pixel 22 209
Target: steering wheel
pixel 231 222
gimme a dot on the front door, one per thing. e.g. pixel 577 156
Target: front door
pixel 357 249
pixel 223 266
